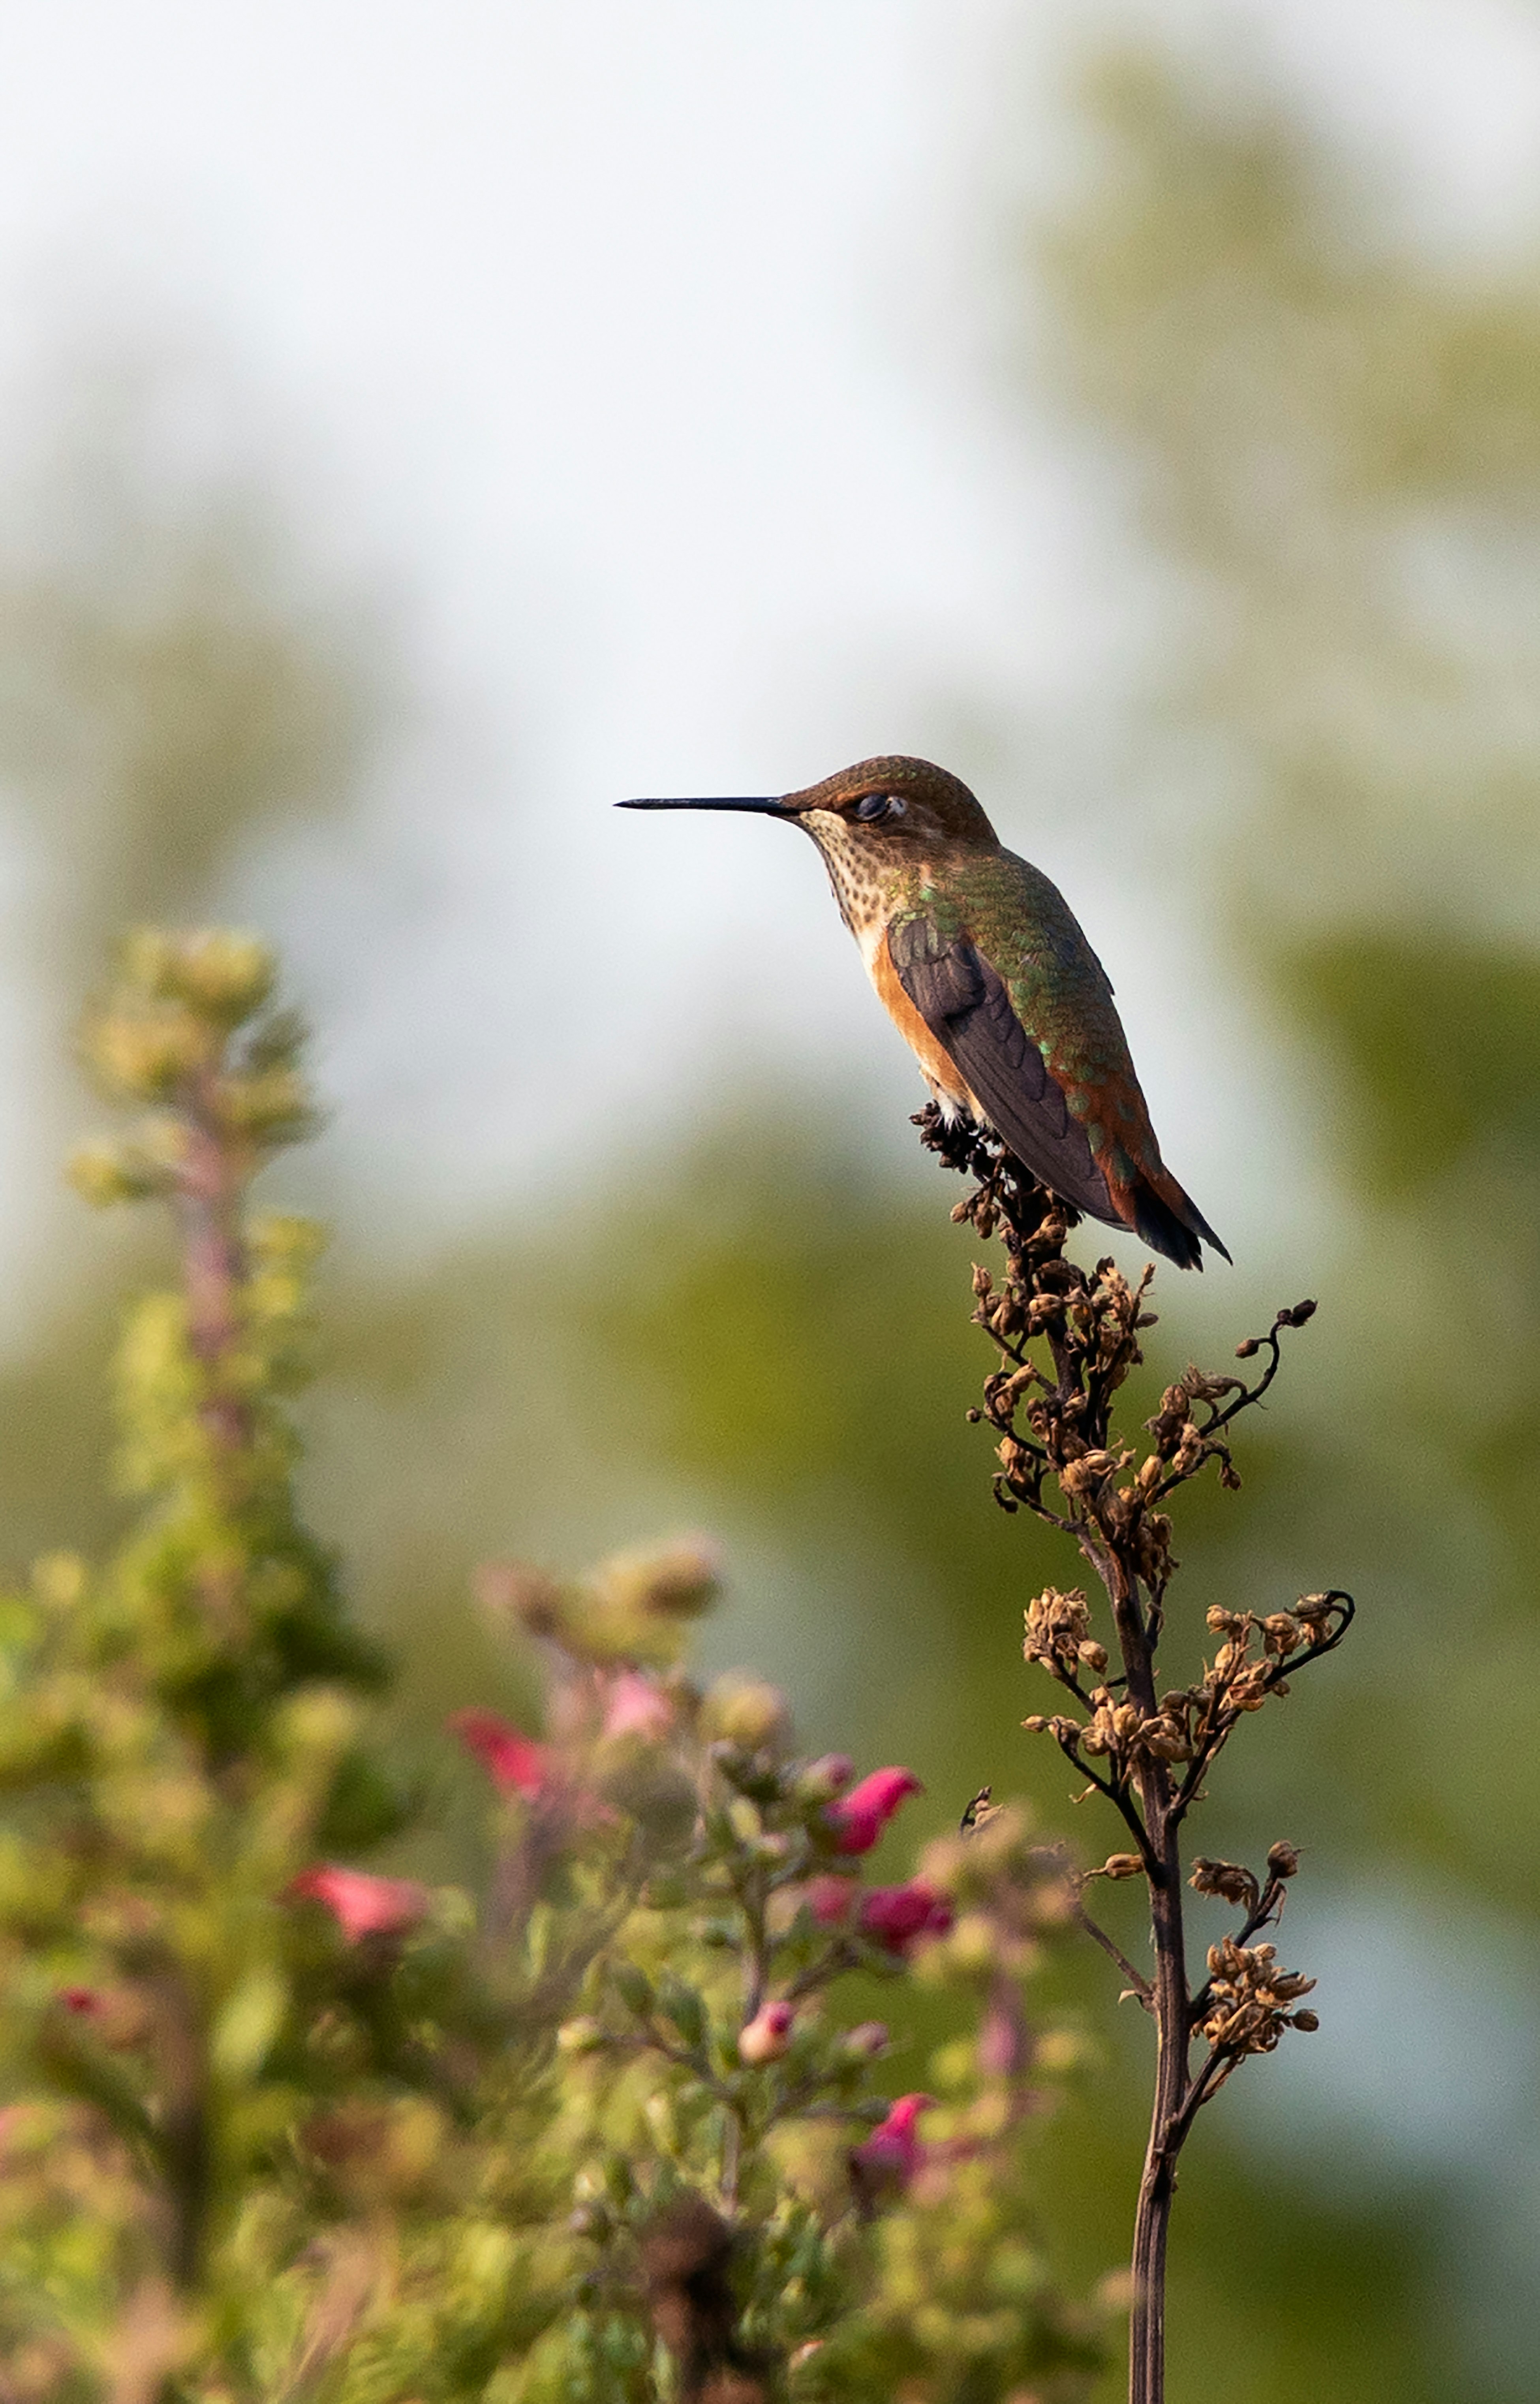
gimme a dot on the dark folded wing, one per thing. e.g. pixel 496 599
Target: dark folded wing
pixel 965 1004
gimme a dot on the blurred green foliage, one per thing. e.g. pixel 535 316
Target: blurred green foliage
pixel 275 2125
pixel 1334 444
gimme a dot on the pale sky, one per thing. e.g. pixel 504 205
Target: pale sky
pixel 648 359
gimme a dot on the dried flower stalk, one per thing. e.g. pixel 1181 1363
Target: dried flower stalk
pixel 1067 1339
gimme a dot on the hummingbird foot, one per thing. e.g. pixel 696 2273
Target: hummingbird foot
pixel 954 1136
pixel 1006 1190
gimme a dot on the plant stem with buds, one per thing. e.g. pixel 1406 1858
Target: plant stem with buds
pixel 1147 2336
pixel 1146 1754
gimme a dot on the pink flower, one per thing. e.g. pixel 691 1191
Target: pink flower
pixel 899 1916
pixel 119 2017
pixel 363 1906
pixel 830 1899
pixel 893 2153
pixel 860 1817
pixel 636 1707
pixel 515 1764
pixel 767 2036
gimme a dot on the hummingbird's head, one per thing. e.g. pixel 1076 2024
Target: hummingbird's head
pixel 892 804
pixel 907 801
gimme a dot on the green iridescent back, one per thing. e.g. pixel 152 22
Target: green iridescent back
pixel 1025 929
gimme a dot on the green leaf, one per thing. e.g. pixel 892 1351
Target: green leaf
pixel 683 2006
pixel 247 2023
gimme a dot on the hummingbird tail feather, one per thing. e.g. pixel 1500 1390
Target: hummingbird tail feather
pixel 1167 1219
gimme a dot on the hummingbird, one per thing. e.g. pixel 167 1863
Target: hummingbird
pixel 983 969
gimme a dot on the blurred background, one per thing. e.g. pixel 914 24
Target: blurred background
pixel 423 426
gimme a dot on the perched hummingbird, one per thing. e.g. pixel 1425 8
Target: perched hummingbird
pixel 988 977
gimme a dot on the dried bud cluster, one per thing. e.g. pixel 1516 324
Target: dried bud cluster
pixel 1228 1879
pixel 1126 1735
pixel 1192 1723
pixel 1058 1627
pixel 1091 1327
pixel 1250 1999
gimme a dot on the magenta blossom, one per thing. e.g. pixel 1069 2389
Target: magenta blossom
pixel 893 2153
pixel 634 1706
pixel 767 2036
pixel 899 1916
pixel 363 1906
pixel 515 1764
pixel 830 1899
pixel 858 1818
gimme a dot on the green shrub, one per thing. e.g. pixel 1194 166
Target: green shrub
pixel 278 2127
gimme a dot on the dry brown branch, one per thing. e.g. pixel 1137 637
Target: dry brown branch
pixel 1066 1340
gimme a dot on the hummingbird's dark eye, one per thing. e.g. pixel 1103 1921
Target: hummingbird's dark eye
pixel 876 809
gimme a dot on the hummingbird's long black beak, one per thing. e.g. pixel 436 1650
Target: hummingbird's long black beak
pixel 767 806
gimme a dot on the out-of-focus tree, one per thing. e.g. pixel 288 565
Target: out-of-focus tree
pixel 1333 445
pixel 177 686
pixel 1337 446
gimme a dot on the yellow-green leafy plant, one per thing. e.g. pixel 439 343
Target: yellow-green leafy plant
pixel 616 2125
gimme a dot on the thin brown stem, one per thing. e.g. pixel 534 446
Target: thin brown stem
pixel 184 2130
pixel 732 2148
pixel 1157 2184
pixel 757 1946
pixel 206 1195
pixel 1211 2078
pixel 1168 2001
pixel 1138 1983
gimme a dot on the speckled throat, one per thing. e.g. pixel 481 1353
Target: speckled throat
pixel 864 867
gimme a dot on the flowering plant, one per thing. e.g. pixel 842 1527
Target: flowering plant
pixel 616 2124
